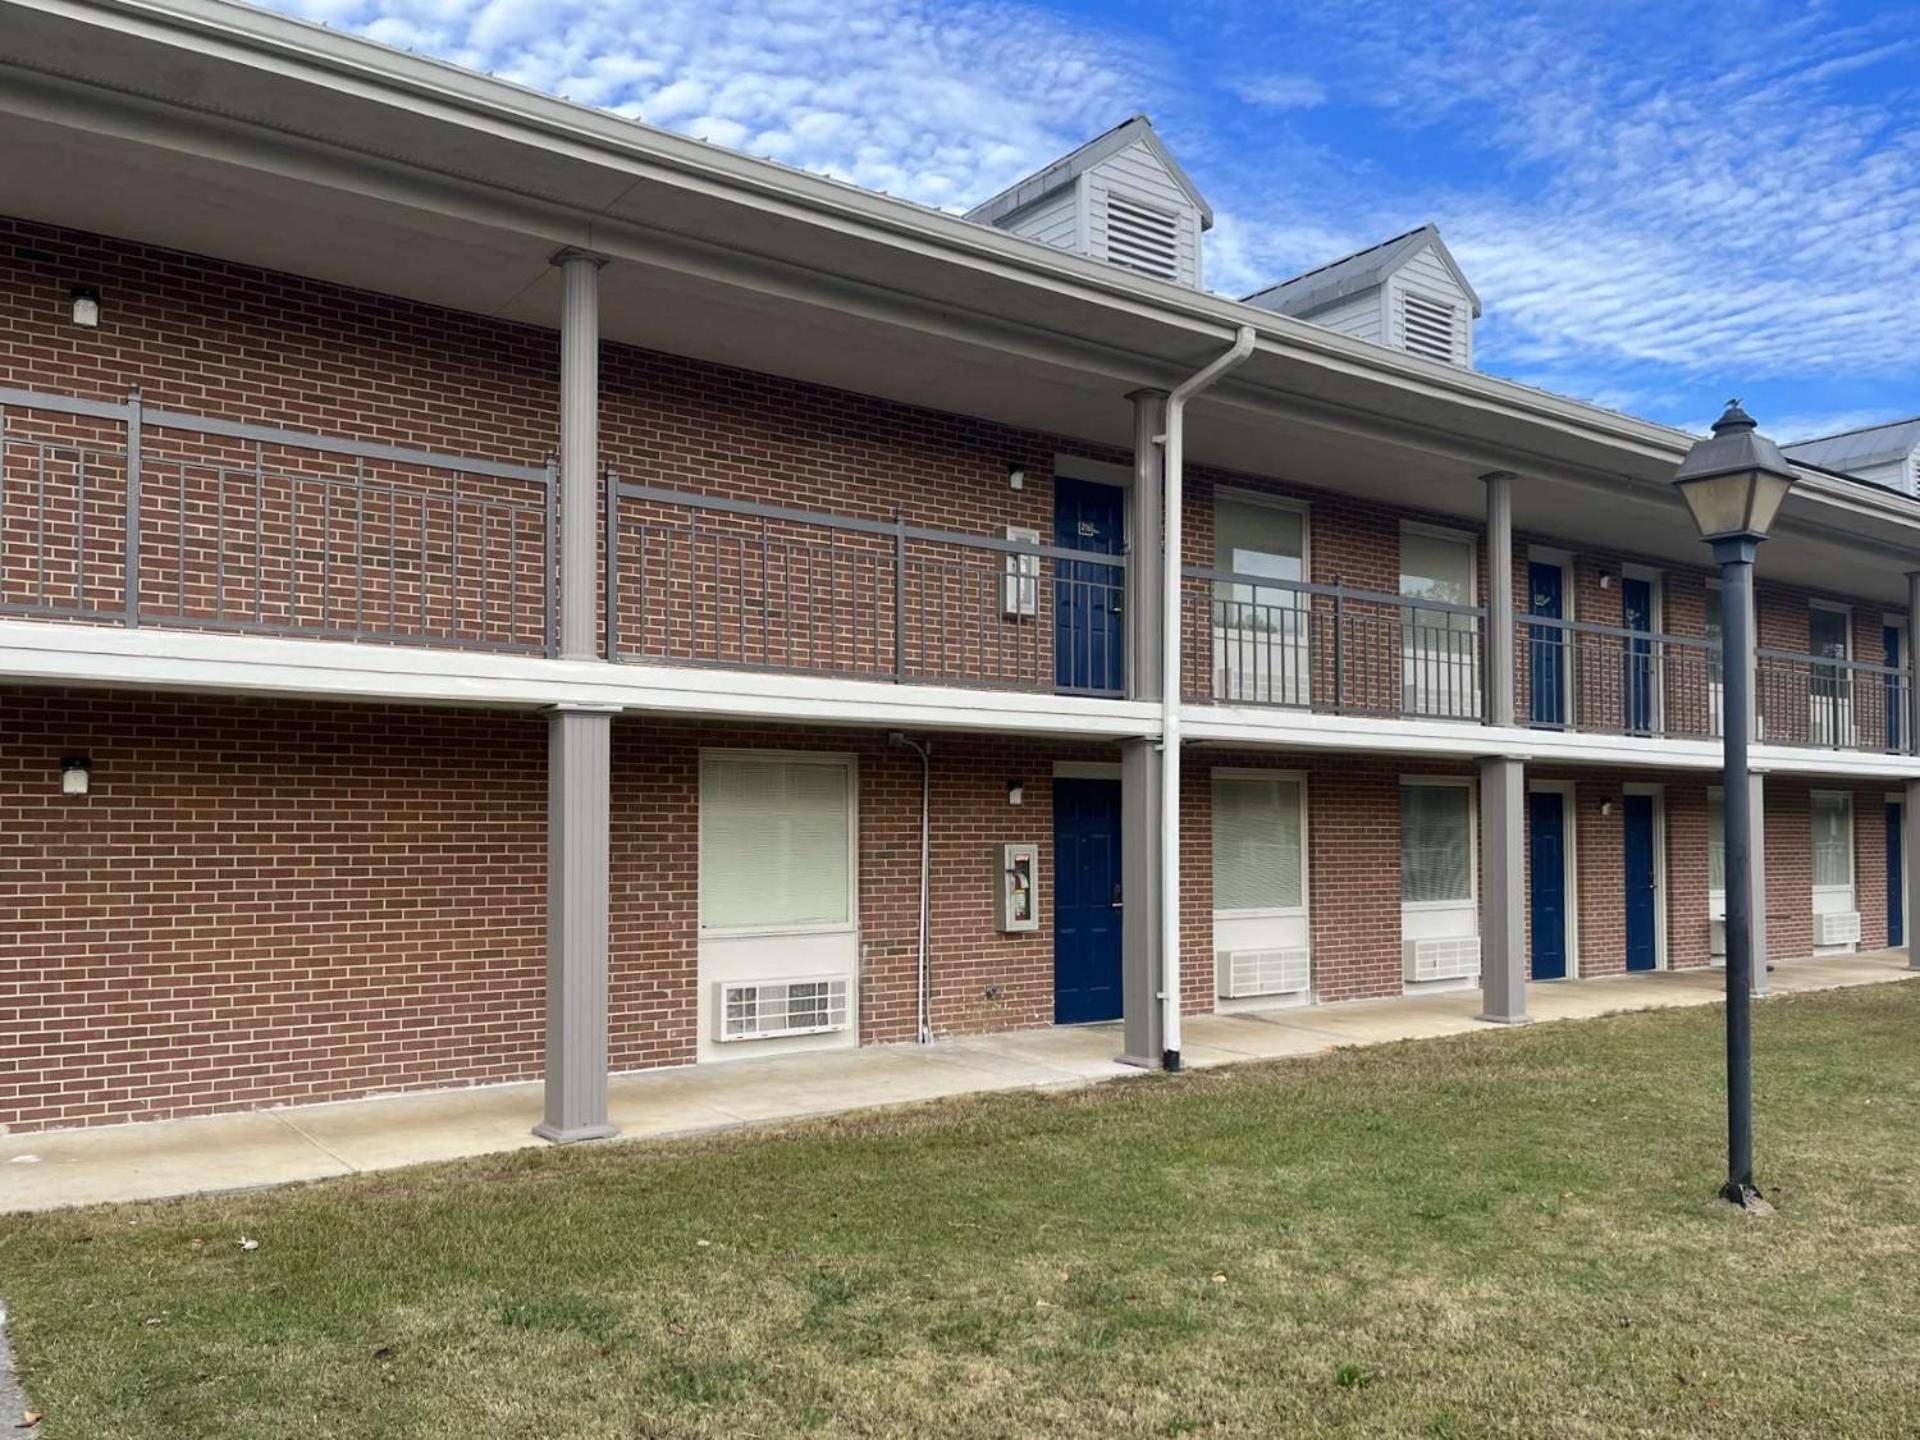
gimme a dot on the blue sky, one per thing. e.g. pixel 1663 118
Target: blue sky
pixel 1661 204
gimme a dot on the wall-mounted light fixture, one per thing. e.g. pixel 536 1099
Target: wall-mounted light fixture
pixel 1016 792
pixel 1606 807
pixel 1016 475
pixel 86 306
pixel 1606 582
pixel 76 775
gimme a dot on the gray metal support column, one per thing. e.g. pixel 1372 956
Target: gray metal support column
pixel 1140 945
pixel 1141 760
pixel 1910 853
pixel 1499 636
pixel 1912 747
pixel 1503 890
pixel 579 452
pixel 1757 878
pixel 579 783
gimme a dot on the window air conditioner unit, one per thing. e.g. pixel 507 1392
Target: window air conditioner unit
pixel 773 1009
pixel 1838 927
pixel 1243 974
pixel 1455 957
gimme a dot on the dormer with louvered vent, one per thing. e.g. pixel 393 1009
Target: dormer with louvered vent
pixel 1407 292
pixel 1122 198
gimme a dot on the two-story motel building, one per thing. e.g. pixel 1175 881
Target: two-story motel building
pixel 492 590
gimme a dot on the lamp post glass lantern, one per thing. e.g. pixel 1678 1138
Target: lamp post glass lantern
pixel 1733 484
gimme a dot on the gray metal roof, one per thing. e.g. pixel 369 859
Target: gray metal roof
pixel 1068 168
pixel 1363 270
pixel 1852 450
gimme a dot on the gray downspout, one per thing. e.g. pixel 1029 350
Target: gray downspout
pixel 1172 445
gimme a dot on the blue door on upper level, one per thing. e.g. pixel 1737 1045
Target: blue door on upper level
pixel 1891 698
pixel 1547 862
pixel 1643 892
pixel 1896 875
pixel 1636 613
pixel 1086 901
pixel 1089 650
pixel 1547 644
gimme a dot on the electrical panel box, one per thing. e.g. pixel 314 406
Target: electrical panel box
pixel 1016 905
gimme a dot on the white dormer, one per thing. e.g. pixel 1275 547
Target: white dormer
pixel 1407 292
pixel 1886 455
pixel 1121 198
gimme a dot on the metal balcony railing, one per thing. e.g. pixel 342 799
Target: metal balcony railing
pixel 701 580
pixel 122 514
pixel 1607 679
pixel 1831 703
pixel 1256 640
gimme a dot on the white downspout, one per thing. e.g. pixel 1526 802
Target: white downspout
pixel 1171 449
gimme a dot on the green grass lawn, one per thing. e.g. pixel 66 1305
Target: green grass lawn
pixel 1498 1234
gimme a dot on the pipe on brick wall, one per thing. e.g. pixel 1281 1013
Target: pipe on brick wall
pixel 1172 447
pixel 923 1029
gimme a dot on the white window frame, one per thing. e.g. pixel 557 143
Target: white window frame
pixel 1294 688
pixel 1467 783
pixel 1271 912
pixel 847 760
pixel 1475 705
pixel 1569 842
pixel 1815 724
pixel 1852 887
pixel 1721 893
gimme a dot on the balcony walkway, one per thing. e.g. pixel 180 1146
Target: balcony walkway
pixel 276 1147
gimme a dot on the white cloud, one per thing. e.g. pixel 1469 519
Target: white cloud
pixel 941 103
pixel 1280 92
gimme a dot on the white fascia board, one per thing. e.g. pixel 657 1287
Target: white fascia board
pixel 37 652
pixel 1258 728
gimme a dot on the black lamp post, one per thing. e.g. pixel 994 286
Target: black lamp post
pixel 1733 484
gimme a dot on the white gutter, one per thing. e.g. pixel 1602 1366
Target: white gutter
pixel 1172 443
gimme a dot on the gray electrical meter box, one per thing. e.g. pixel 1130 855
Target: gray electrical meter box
pixel 1016 905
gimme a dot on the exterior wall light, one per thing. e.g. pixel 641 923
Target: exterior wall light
pixel 1016 792
pixel 1016 476
pixel 86 307
pixel 76 775
pixel 1734 484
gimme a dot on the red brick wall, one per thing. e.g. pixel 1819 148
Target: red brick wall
pixel 264 903
pixel 273 903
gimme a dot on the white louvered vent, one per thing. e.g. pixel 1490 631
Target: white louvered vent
pixel 769 1009
pixel 1141 239
pixel 1457 957
pixel 1243 974
pixel 1428 326
pixel 1838 927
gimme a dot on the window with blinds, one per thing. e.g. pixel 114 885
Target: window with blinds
pixel 1436 844
pixel 1259 860
pixel 1428 327
pixel 1142 239
pixel 1832 842
pixel 775 842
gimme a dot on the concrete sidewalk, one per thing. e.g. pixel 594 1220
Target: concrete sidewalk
pixel 312 1142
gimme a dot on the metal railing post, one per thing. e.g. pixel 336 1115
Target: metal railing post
pixel 133 506
pixel 1339 649
pixel 899 595
pixel 612 559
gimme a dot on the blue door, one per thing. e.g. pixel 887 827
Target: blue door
pixel 1636 613
pixel 1088 648
pixel 1890 638
pixel 1086 901
pixel 1547 644
pixel 1547 862
pixel 1896 876
pixel 1642 890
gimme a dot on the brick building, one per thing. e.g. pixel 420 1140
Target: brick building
pixel 489 590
